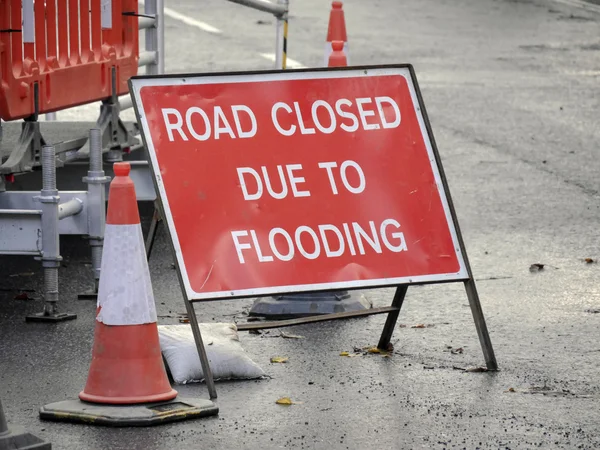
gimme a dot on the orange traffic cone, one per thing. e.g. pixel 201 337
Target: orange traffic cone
pixel 336 30
pixel 127 366
pixel 337 57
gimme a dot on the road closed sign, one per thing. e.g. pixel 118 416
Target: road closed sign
pixel 295 181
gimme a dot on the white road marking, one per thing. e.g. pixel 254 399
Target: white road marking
pixel 292 64
pixel 192 22
pixel 188 20
pixel 580 4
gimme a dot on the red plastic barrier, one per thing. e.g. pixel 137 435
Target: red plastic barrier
pixel 70 58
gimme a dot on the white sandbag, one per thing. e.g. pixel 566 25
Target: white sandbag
pixel 227 359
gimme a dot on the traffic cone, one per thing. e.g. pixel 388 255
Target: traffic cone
pixel 127 383
pixel 336 30
pixel 127 365
pixel 337 57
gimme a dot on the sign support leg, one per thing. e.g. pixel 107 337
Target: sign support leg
pixel 208 377
pixel 390 322
pixel 152 232
pixel 482 331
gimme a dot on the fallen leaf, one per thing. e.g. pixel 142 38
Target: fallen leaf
pixel 476 369
pixel 287 401
pixel 279 359
pixel 536 267
pixel 390 347
pixel 589 260
pixel 184 320
pixel 457 351
pixel 419 325
pixel 290 336
pixel 344 354
pixel 511 390
pixel 373 350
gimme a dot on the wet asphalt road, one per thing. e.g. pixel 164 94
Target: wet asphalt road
pixel 511 88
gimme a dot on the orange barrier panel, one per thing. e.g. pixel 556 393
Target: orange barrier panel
pixel 71 56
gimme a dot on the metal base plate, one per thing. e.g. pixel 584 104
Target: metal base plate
pixel 89 295
pixel 41 317
pixel 146 414
pixel 309 304
pixel 18 438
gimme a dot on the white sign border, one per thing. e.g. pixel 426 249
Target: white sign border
pixel 138 83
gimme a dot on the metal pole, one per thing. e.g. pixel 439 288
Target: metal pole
pixel 279 44
pixel 96 208
pixel 51 258
pixel 155 38
pixel 480 326
pixel 281 37
pixel 50 238
pixel 262 5
pixel 390 323
pixel 206 370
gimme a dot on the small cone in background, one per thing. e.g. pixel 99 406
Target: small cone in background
pixel 337 57
pixel 127 365
pixel 336 30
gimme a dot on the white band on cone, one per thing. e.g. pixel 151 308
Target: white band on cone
pixel 125 291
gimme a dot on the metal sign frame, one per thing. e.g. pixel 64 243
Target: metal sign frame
pixel 465 275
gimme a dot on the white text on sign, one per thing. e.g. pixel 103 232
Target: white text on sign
pixel 239 121
pixel 327 240
pixel 294 180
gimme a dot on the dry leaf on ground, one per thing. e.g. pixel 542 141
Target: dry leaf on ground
pixel 287 401
pixel 279 359
pixel 476 369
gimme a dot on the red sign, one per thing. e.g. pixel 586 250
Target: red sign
pixel 297 181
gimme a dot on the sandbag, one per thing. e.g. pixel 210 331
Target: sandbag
pixel 227 359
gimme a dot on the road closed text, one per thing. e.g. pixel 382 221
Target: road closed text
pixel 289 119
